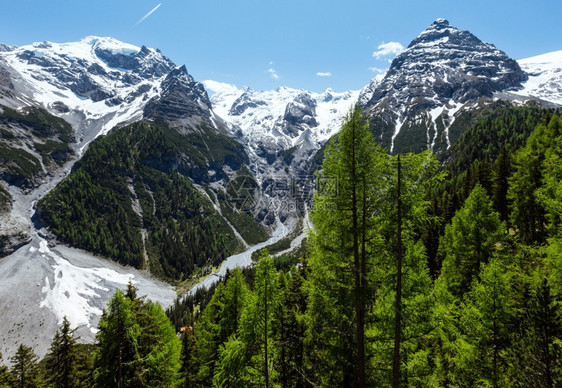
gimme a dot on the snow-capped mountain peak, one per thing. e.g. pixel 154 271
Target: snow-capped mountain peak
pixel 442 69
pixel 273 122
pixel 96 83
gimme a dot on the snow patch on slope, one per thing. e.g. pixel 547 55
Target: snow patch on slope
pixel 74 287
pixel 545 77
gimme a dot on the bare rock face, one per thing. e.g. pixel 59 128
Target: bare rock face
pixel 11 242
pixel 243 103
pixel 181 98
pixel 299 112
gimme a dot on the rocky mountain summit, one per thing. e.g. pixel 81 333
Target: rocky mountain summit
pixel 282 127
pixel 98 83
pixel 442 69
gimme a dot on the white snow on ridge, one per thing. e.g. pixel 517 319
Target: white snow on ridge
pixel 260 120
pixel 216 87
pixel 545 77
pixel 47 73
pixel 113 45
pixel 552 60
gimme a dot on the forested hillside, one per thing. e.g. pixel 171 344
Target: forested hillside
pixel 130 198
pixel 417 273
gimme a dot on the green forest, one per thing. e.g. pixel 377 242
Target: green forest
pixel 143 177
pixel 421 270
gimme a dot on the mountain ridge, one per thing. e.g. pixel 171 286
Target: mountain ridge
pixel 278 134
pixel 441 70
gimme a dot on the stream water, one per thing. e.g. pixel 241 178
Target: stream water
pixel 241 260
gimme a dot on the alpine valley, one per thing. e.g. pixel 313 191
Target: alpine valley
pixel 117 166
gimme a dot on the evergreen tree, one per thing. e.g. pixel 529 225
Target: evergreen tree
pixel 536 357
pixel 218 322
pixel 411 313
pixel 289 331
pixel 235 293
pixel 6 378
pixel 446 342
pixel 501 186
pixel 341 254
pixel 488 319
pixel 470 241
pixel 281 333
pixel 159 347
pixel 24 367
pixel 188 360
pixel 549 195
pixel 62 358
pixel 528 213
pixel 208 337
pixel 137 344
pixel 83 376
pixel 117 360
pixel 250 351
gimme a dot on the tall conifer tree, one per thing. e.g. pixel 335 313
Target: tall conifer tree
pixel 62 357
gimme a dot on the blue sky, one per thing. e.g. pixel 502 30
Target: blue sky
pixel 264 44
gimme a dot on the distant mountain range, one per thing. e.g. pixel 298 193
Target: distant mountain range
pixel 112 150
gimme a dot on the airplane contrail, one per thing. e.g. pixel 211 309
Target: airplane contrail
pixel 148 14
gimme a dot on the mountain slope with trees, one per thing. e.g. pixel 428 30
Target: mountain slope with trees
pixel 134 197
pixel 363 308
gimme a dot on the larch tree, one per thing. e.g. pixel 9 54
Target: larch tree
pixel 188 369
pixel 61 361
pixel 470 241
pixel 246 359
pixel 401 318
pixel 6 378
pixel 528 213
pixel 488 319
pixel 137 344
pixel 341 256
pixel 289 330
pixel 159 347
pixel 117 359
pixel 535 358
pixel 219 321
pixel 25 368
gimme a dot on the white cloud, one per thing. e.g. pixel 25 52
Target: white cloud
pixel 388 49
pixel 148 14
pixel 377 70
pixel 324 74
pixel 216 87
pixel 273 74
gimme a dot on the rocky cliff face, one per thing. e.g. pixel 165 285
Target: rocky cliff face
pixel 282 129
pixel 181 97
pixel 442 69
